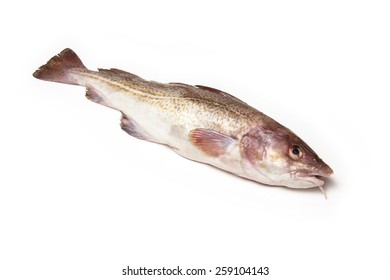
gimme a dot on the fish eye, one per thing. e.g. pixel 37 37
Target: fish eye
pixel 295 152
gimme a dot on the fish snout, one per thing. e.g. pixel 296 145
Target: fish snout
pixel 326 170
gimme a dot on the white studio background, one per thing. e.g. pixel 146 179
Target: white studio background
pixel 80 199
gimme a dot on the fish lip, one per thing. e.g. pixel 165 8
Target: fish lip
pixel 316 178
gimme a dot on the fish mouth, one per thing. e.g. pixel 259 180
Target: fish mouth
pixel 315 179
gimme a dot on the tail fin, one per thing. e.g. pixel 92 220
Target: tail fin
pixel 56 69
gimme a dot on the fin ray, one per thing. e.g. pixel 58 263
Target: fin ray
pixel 95 96
pixel 57 68
pixel 220 92
pixel 211 142
pixel 133 129
pixel 121 73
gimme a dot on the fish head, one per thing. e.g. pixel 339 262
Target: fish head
pixel 277 156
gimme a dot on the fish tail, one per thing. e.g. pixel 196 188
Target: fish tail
pixel 57 68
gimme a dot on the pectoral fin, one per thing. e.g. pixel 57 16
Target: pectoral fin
pixel 211 142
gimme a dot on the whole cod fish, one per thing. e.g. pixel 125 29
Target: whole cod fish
pixel 198 122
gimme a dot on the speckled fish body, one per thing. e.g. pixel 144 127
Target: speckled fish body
pixel 198 122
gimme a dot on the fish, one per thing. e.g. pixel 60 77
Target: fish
pixel 198 122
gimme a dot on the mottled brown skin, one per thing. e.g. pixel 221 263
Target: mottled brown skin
pixel 201 123
pixel 226 114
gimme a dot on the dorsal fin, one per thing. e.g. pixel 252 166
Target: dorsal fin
pixel 181 84
pixel 220 92
pixel 118 72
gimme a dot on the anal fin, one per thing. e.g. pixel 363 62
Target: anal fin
pixel 132 128
pixel 95 96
